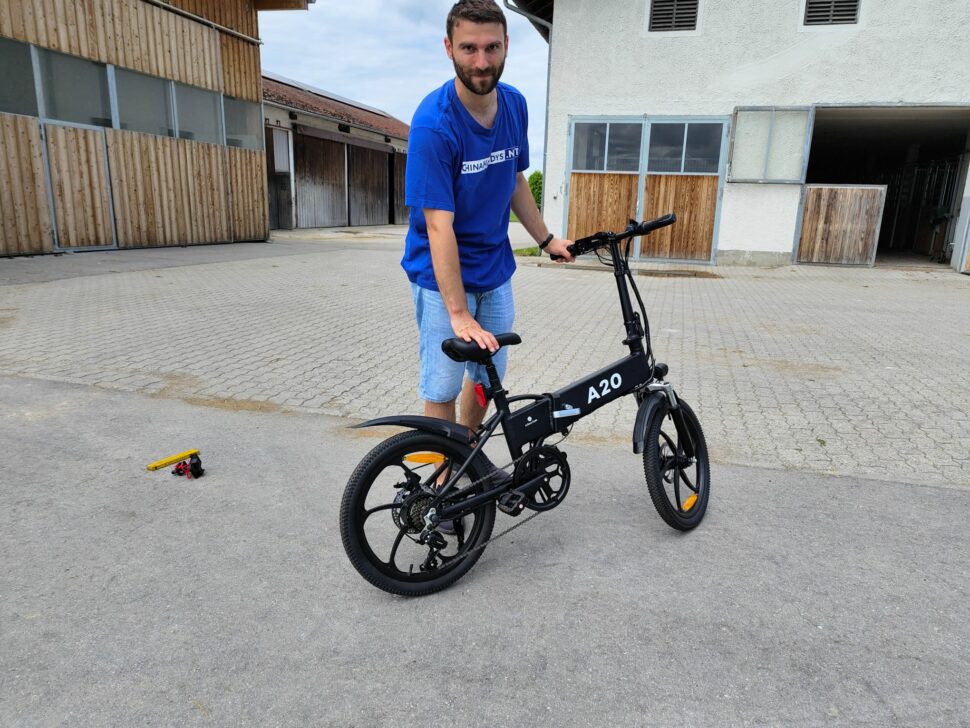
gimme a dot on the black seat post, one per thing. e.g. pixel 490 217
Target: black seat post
pixel 495 385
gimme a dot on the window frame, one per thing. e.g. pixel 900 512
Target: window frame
pixel 698 25
pixel 42 101
pixel 32 64
pixel 608 121
pixel 260 123
pixel 804 17
pixel 861 21
pixel 806 148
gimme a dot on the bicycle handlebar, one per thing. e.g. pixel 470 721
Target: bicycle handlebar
pixel 598 240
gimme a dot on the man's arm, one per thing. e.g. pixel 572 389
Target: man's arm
pixel 447 272
pixel 524 207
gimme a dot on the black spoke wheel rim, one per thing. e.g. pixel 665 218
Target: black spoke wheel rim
pixel 405 528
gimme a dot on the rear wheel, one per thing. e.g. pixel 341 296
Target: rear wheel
pixel 679 486
pixel 382 516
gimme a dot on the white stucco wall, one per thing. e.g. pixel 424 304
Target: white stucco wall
pixel 746 53
pixel 759 218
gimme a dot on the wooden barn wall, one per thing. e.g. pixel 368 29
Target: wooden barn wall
pixel 240 15
pixel 248 213
pixel 242 77
pixel 321 186
pixel 401 212
pixel 600 202
pixel 25 224
pixel 841 224
pixel 127 33
pixel 168 191
pixel 694 199
pixel 79 179
pixel 369 189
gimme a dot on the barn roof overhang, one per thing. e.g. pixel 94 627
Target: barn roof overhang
pixel 282 4
pixel 539 13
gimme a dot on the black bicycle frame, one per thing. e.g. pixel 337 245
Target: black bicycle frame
pixel 556 412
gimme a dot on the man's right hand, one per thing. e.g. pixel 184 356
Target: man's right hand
pixel 468 329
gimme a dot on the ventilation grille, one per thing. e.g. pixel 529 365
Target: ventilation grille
pixel 673 15
pixel 831 12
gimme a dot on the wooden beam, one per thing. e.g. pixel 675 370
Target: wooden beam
pixel 280 4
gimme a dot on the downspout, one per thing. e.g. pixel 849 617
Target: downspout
pixel 545 139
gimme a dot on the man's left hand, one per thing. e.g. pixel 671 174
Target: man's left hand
pixel 559 247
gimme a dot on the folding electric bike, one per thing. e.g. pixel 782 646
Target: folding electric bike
pixel 419 509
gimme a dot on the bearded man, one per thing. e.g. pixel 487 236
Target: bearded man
pixel 467 152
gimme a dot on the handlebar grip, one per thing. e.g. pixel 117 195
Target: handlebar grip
pixel 649 226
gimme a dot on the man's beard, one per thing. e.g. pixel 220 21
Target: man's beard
pixel 474 82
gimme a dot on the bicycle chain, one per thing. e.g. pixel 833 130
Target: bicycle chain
pixel 506 531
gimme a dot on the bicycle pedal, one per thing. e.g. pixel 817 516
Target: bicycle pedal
pixel 511 503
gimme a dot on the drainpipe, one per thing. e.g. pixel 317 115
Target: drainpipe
pixel 545 140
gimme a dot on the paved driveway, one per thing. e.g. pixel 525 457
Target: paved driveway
pixel 832 370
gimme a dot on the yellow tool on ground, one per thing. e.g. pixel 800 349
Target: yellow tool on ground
pixel 165 462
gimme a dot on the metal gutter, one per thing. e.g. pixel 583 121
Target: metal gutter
pixel 528 16
pixel 205 21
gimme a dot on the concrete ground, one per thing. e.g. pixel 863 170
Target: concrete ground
pixel 831 588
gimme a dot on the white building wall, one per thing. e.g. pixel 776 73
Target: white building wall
pixel 746 53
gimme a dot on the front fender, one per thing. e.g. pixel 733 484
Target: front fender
pixel 451 430
pixel 650 404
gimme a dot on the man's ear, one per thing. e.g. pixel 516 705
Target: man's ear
pixel 448 48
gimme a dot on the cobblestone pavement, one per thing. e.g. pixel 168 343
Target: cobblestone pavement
pixel 827 369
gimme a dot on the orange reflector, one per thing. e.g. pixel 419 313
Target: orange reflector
pixel 425 457
pixel 689 503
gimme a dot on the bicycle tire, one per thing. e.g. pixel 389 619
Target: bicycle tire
pixel 664 476
pixel 354 514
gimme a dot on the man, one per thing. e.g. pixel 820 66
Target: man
pixel 467 151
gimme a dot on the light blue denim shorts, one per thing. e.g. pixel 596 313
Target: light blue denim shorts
pixel 441 378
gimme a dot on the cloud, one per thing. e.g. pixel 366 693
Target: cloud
pixel 390 55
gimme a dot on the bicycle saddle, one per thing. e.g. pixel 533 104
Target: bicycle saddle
pixel 461 350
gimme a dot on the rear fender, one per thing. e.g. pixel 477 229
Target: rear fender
pixel 451 430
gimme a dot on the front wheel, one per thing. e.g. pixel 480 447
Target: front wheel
pixel 383 509
pixel 679 486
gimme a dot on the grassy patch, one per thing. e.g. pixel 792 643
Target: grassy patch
pixel 533 252
pixel 513 218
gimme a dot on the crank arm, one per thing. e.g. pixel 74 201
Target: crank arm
pixel 459 510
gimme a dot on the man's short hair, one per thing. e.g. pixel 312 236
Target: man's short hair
pixel 476 11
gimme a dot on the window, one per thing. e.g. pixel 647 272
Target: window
pixel 17 93
pixel 607 147
pixel 589 147
pixel 244 123
pixel 199 114
pixel 831 12
pixel 667 15
pixel 75 89
pixel 769 145
pixel 685 148
pixel 144 103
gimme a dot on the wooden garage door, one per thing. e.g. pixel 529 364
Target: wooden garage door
pixel 369 188
pixel 401 211
pixel 25 221
pixel 79 179
pixel 841 224
pixel 598 202
pixel 321 182
pixel 693 198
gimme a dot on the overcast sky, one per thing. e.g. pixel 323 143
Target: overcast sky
pixel 390 55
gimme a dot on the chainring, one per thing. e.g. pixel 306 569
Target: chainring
pixel 550 460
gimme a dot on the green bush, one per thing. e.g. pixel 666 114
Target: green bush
pixel 535 184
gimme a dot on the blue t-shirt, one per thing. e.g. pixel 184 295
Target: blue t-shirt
pixel 456 164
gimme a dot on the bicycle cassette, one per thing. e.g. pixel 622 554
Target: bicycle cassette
pixel 549 462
